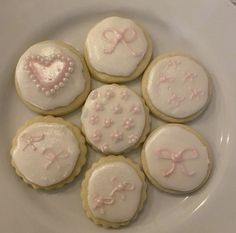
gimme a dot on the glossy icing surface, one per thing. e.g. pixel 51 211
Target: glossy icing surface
pixel 116 46
pixel 49 75
pixel 46 153
pixel 176 158
pixel 113 118
pixel 178 86
pixel 114 192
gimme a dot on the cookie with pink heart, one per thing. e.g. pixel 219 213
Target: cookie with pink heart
pixel 52 78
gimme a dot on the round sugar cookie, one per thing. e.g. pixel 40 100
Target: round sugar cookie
pixel 176 159
pixel 51 78
pixel 114 119
pixel 113 191
pixel 117 50
pixel 48 152
pixel 176 88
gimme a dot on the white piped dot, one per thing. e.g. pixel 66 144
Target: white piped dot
pixel 42 89
pixel 52 91
pixel 34 80
pixel 32 76
pixel 38 86
pixel 47 93
pixel 71 63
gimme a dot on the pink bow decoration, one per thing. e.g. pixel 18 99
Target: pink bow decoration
pixel 178 158
pixel 53 158
pixel 115 37
pixel 99 202
pixel 31 140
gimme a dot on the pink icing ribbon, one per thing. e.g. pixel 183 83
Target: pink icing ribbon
pixel 118 187
pixel 31 140
pixel 53 158
pixel 116 37
pixel 178 158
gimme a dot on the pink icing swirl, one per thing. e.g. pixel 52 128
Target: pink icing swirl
pixel 178 158
pixel 115 37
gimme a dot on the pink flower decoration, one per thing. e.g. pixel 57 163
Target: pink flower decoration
pixel 135 109
pixel 128 123
pixel 96 137
pixel 98 107
pixel 93 94
pixel 109 94
pixel 94 119
pixel 124 95
pixel 118 109
pixel 107 123
pixel 132 138
pixel 117 136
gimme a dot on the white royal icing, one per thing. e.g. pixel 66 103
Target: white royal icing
pixel 176 158
pixel 113 118
pixel 116 46
pixel 49 75
pixel 114 192
pixel 46 153
pixel 178 86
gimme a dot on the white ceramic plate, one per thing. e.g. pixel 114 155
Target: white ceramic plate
pixel 205 30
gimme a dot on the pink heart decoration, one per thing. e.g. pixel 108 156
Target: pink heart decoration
pixel 49 73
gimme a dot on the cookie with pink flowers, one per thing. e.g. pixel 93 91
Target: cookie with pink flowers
pixel 51 78
pixel 176 159
pixel 114 119
pixel 176 88
pixel 48 152
pixel 113 191
pixel 117 50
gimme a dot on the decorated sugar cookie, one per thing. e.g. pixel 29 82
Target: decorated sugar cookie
pixel 48 152
pixel 113 191
pixel 117 50
pixel 176 159
pixel 176 88
pixel 51 78
pixel 114 119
